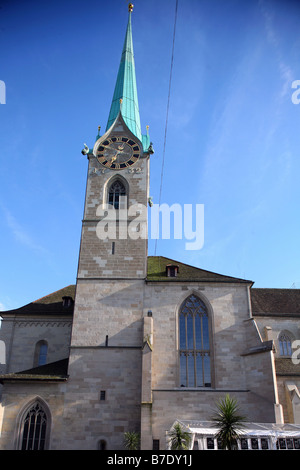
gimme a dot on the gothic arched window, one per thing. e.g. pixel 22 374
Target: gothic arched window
pixel 285 344
pixel 117 195
pixel 194 344
pixel 34 427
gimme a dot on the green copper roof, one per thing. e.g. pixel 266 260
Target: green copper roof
pixel 126 89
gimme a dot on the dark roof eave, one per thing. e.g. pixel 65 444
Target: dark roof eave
pixel 265 346
pixel 281 315
pixel 30 378
pixel 52 372
pixel 288 374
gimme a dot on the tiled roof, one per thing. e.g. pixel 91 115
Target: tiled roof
pixel 51 304
pixel 157 272
pixel 275 302
pixel 268 302
pixel 285 366
pixel 56 371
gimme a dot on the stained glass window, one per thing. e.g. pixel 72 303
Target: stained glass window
pixel 194 344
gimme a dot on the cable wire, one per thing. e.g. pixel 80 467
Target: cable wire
pixel 167 114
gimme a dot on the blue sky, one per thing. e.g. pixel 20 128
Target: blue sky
pixel 233 140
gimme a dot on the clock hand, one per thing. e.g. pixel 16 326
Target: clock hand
pixel 121 147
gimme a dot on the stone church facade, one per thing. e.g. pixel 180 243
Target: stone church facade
pixel 140 341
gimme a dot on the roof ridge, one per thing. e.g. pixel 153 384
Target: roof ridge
pixel 52 293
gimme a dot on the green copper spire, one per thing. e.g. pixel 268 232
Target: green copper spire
pixel 125 97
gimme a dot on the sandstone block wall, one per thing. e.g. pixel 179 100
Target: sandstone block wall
pixel 22 334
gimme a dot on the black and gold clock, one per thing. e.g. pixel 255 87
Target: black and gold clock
pixel 117 152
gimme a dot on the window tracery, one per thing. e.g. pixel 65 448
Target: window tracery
pixel 117 195
pixel 285 344
pixel 34 428
pixel 194 344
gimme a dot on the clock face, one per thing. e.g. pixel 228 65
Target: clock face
pixel 118 153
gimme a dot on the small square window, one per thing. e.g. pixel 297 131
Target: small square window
pixel 297 443
pixel 219 444
pixel 171 270
pixel 254 443
pixel 210 443
pixel 244 443
pixel 264 443
pixel 289 443
pixel 102 395
pixel 282 443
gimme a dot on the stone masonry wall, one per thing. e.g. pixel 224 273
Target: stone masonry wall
pixel 22 335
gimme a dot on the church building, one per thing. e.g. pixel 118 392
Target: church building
pixel 142 342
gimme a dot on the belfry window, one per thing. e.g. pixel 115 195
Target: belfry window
pixel 194 344
pixel 34 428
pixel 117 195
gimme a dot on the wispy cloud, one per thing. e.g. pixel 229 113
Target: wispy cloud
pixel 229 114
pixel 20 234
pixel 285 70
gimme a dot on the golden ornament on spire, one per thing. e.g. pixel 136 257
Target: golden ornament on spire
pixel 130 7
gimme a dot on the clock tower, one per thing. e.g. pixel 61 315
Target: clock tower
pixel 105 366
pixel 114 232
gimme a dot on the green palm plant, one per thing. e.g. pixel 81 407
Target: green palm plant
pixel 179 439
pixel 229 421
pixel 131 440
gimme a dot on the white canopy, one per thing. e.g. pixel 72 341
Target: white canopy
pixel 207 428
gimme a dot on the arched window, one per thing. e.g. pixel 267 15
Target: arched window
pixel 2 352
pixel 34 428
pixel 285 344
pixel 194 344
pixel 40 354
pixel 117 195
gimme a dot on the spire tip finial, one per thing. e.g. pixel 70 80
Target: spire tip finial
pixel 130 7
